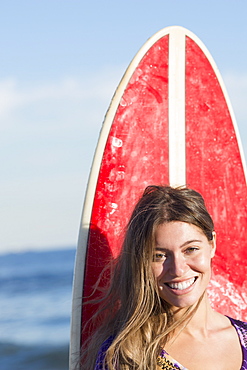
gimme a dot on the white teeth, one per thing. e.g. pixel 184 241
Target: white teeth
pixel 183 285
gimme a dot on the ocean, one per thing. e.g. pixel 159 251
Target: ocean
pixel 35 308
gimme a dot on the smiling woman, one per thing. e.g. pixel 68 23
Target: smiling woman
pixel 161 317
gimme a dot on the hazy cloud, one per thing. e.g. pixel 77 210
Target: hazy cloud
pixel 49 132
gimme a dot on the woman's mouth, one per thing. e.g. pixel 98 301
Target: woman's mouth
pixel 182 285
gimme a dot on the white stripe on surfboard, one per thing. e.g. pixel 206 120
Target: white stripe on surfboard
pixel 176 107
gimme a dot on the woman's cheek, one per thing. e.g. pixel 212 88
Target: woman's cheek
pixel 202 262
pixel 157 269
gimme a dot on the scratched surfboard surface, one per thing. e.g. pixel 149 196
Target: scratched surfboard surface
pixel 170 122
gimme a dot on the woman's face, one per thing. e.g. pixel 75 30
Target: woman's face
pixel 182 262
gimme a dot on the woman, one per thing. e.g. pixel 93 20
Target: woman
pixel 159 316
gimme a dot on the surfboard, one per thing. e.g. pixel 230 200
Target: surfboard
pixel 169 122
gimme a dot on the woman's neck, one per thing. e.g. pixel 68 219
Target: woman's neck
pixel 201 322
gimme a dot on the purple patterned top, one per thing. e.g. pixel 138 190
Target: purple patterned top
pixel 241 328
pixel 165 361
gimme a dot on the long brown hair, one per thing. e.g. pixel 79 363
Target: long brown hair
pixel 141 321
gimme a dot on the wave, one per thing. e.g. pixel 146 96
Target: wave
pixel 35 298
pixel 19 357
pixel 32 271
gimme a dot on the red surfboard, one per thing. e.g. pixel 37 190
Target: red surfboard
pixel 170 122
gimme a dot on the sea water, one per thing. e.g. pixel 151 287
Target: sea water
pixel 35 308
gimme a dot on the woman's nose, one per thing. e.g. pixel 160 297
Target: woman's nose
pixel 177 265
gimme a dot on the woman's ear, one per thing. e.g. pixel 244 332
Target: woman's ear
pixel 213 244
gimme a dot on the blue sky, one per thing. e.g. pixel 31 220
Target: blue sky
pixel 61 61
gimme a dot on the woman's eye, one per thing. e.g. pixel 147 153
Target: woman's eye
pixel 190 250
pixel 159 257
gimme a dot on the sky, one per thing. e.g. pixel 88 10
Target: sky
pixel 60 63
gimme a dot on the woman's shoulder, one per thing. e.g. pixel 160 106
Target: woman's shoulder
pixel 238 323
pixel 241 327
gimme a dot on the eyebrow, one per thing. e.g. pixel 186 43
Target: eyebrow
pixel 181 246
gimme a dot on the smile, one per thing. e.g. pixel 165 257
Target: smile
pixel 182 285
